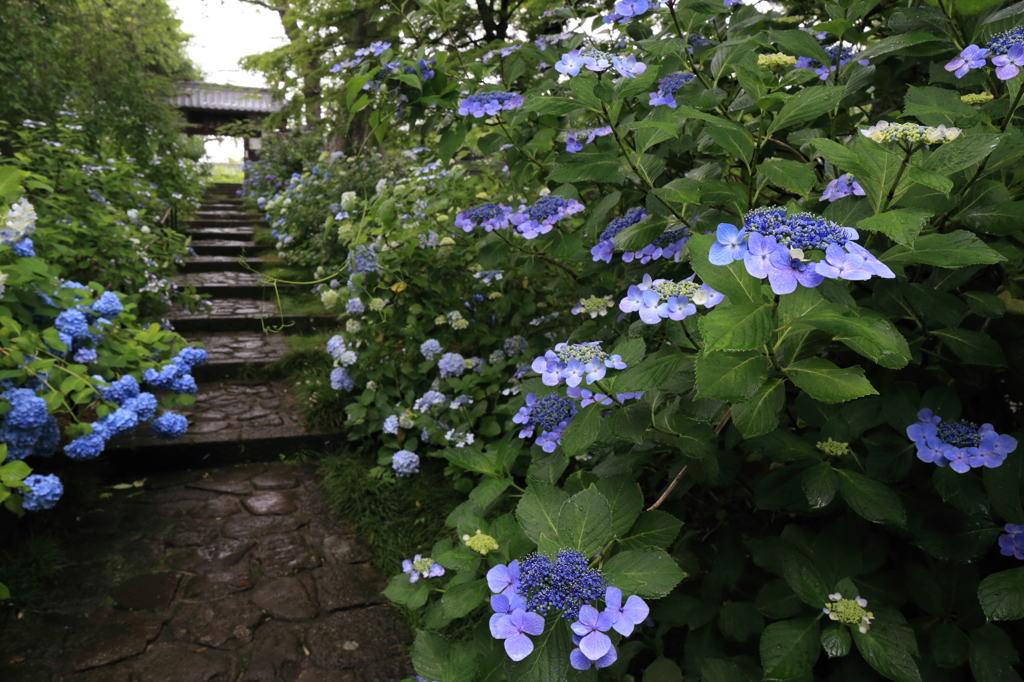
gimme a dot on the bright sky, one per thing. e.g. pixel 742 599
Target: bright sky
pixel 224 31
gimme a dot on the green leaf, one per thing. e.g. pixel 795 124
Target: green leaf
pixel 720 670
pixel 790 648
pixel 584 521
pixel 639 235
pixel 951 535
pixel 895 43
pixel 549 659
pixel 783 559
pixel 732 137
pixel 969 8
pixel 647 572
pixel 950 646
pixel 459 600
pixel 649 375
pixel 938 106
pixel 663 670
pixel 792 176
pixel 630 422
pixel 825 382
pixel 733 280
pixel 587 166
pixel 836 640
pixel 14 472
pixel 679 191
pixel 902 225
pixel 740 620
pixel 626 500
pixel 655 529
pixel 556 106
pixel 820 484
pixel 838 155
pixel 760 414
pixel 798 43
pixel 582 431
pixel 974 348
pixel 10 185
pixel 954 249
pixel 937 181
pixel 993 655
pixel 872 500
pixel 872 335
pixel 451 140
pixel 1003 485
pixel 732 377
pixel 807 105
pixel 435 659
pixel 961 153
pixel 889 646
pixel 739 327
pixel 1005 13
pixel 538 509
pixel 1002 595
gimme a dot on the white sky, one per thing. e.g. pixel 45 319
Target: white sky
pixel 224 31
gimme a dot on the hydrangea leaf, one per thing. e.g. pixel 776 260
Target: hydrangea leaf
pixel 1003 485
pixel 1002 595
pixel 889 646
pixel 647 572
pixel 825 381
pixel 587 166
pixel 650 375
pixel 820 484
pixel 459 600
pixel 902 225
pixel 993 654
pixel 790 648
pixel 951 535
pixel 625 499
pixel 782 558
pixel 583 430
pixel 872 500
pixel 655 529
pixel 805 106
pixel 663 670
pixel 732 377
pixel 411 595
pixel 953 249
pixel 435 659
pixel 740 620
pixel 974 348
pixel 950 646
pixel 760 414
pixel 739 327
pixel 720 670
pixel 584 521
pixel 538 509
pixel 790 175
pixel 549 660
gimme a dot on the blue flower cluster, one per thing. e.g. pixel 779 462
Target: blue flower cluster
pixel 586 397
pixel 490 216
pixel 667 88
pixel 572 363
pixel 421 567
pixel 1006 50
pixel 26 427
pixel 573 138
pixel 962 445
pixel 627 9
pixel 773 244
pixel 550 415
pixel 526 592
pixel 667 245
pixel 428 400
pixel 838 57
pixel 1012 542
pixel 489 104
pixel 598 61
pixel 515 346
pixel 1002 42
pixel 340 380
pixel 662 299
pixel 843 186
pixel 405 463
pixel 605 246
pixel 532 221
pixel 177 374
pixel 168 426
pixel 43 492
pixel 430 348
pixel 17 225
pixel 451 365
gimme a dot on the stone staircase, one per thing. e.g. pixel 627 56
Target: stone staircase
pixel 234 418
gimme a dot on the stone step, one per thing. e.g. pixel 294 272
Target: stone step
pixel 222 247
pixel 221 264
pixel 229 284
pixel 223 205
pixel 244 314
pixel 243 220
pixel 230 353
pixel 251 416
pixel 235 233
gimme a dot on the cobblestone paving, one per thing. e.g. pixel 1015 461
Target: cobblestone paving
pixel 240 233
pixel 221 279
pixel 221 263
pixel 221 247
pixel 238 574
pixel 241 347
pixel 227 307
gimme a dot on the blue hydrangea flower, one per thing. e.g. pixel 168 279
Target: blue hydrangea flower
pixel 405 463
pixel 190 357
pixel 430 348
pixel 451 365
pixel 667 88
pixel 560 587
pixel 549 415
pixel 514 630
pixel 971 57
pixel 605 246
pixel 85 355
pixel 168 426
pixel 144 405
pixel 596 361
pixel 502 579
pixel 85 447
pixel 489 104
pixel 843 186
pixel 503 606
pixel 390 425
pixel 340 380
pixel 354 306
pixel 625 616
pixel 586 397
pixel 590 627
pixel 362 259
pixel 570 63
pixel 1008 65
pixel 840 264
pixel 73 323
pixel 730 245
pixel 575 139
pixel 541 217
pixel 838 57
pixel 661 299
pixel 490 216
pixel 515 346
pixel 22 426
pixel 24 248
pixel 43 493
pixel 803 231
pixel 121 390
pixel 668 245
pixel 1002 42
pixel 1012 543
pixel 962 445
pixel 108 305
pixel 428 400
pixel 579 660
pixel 787 268
pixel 419 567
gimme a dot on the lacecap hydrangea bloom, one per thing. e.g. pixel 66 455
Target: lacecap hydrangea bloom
pixel 909 134
pixel 668 86
pixel 1012 542
pixel 490 216
pixel 962 445
pixel 595 306
pixel 971 57
pixel 598 61
pixel 489 104
pixel 405 463
pixel 668 245
pixel 773 244
pixel 572 363
pixel 605 247
pixel 662 299
pixel 575 139
pixel 481 542
pixel 849 611
pixel 43 492
pixel 843 186
pixel 421 567
pixel 549 415
pixel 838 57
pixel 533 221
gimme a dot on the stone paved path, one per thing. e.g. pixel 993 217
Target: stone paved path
pixel 237 574
pixel 243 417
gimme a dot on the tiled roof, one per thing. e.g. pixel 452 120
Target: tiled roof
pixel 213 97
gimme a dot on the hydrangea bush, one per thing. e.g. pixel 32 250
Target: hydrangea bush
pixel 797 460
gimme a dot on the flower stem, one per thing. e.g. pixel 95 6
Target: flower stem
pixel 899 176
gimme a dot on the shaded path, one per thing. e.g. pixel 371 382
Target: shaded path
pixel 233 574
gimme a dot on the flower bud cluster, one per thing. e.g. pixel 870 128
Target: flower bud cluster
pixel 572 363
pixel 661 299
pixel 489 104
pixel 910 133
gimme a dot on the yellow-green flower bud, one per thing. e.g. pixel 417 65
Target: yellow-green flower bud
pixel 775 61
pixel 974 99
pixel 480 542
pixel 849 611
pixel 834 448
